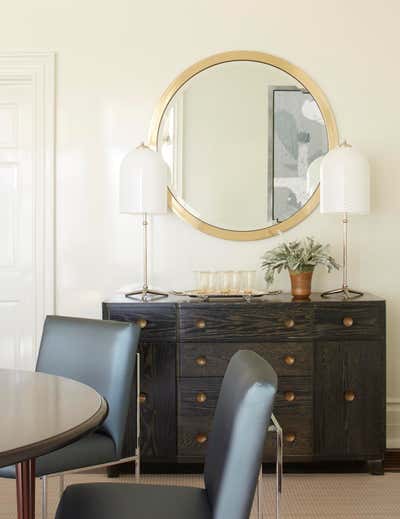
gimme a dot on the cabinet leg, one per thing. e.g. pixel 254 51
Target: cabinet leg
pixel 376 467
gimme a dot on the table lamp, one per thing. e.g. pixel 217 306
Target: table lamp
pixel 345 188
pixel 143 190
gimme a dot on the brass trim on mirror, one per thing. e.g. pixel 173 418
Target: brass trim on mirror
pixel 261 57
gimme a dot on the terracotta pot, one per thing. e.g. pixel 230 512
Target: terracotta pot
pixel 301 284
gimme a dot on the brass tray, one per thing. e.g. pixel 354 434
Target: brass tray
pixel 204 296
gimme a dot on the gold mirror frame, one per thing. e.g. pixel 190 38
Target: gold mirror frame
pixel 268 59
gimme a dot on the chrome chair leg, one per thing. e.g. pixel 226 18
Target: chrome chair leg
pixel 275 427
pixel 259 493
pixel 279 469
pixel 44 497
pixel 138 421
pixel 137 465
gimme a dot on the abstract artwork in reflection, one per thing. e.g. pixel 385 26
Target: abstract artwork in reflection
pixel 297 143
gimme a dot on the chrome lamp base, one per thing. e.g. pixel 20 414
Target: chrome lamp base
pixel 146 294
pixel 348 293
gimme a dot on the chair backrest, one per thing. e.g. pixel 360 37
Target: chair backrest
pixel 241 419
pixel 101 354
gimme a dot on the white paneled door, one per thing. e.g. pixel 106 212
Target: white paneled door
pixel 26 205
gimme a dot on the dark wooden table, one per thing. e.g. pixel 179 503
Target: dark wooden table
pixel 41 413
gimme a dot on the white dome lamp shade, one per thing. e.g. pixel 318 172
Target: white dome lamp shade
pixel 345 188
pixel 345 181
pixel 143 182
pixel 143 190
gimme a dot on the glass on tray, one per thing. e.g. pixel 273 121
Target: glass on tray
pixel 248 281
pixel 203 281
pixel 226 282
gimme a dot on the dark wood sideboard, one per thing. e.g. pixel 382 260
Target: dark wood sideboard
pixel 329 355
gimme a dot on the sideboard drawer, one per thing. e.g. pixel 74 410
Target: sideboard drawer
pixel 193 437
pixel 157 322
pixel 344 320
pixel 198 396
pixel 249 322
pixel 211 359
pixel 297 436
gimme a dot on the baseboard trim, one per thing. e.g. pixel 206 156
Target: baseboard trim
pixel 392 460
pixel 393 423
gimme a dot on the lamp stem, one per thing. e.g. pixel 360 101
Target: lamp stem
pixel 345 222
pixel 345 291
pixel 145 293
pixel 145 266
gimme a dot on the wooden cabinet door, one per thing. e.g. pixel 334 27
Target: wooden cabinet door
pixel 158 404
pixel 349 396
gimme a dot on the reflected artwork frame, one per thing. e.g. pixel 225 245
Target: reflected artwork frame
pixel 298 138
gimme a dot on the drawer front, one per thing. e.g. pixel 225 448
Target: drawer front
pixel 198 396
pixel 245 322
pixel 297 429
pixel 349 320
pixel 211 359
pixel 297 436
pixel 193 437
pixel 157 322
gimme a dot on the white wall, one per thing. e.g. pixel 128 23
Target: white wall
pixel 115 59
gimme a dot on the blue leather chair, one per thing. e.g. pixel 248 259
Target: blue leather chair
pixel 232 463
pixel 101 354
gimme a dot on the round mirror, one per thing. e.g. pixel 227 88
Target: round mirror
pixel 243 134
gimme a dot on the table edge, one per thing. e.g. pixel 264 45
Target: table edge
pixel 47 445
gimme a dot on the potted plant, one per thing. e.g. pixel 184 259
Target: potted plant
pixel 299 257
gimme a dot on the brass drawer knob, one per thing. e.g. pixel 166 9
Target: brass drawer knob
pixel 289 360
pixel 142 398
pixel 349 396
pixel 142 323
pixel 201 438
pixel 201 361
pixel 200 324
pixel 290 437
pixel 289 323
pixel 289 396
pixel 348 321
pixel 201 398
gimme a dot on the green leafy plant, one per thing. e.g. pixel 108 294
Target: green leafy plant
pixel 296 256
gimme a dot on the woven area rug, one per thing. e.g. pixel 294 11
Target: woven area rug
pixel 317 496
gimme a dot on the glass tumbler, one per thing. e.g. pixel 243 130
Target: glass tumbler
pixel 213 285
pixel 203 281
pixel 226 281
pixel 248 281
pixel 236 282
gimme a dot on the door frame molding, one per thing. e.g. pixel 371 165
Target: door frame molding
pixel 38 69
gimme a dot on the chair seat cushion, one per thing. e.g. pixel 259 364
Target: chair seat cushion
pixel 90 450
pixel 132 501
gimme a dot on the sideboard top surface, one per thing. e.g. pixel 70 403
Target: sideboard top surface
pixel 264 300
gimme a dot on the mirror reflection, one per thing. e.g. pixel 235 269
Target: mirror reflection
pixel 243 141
